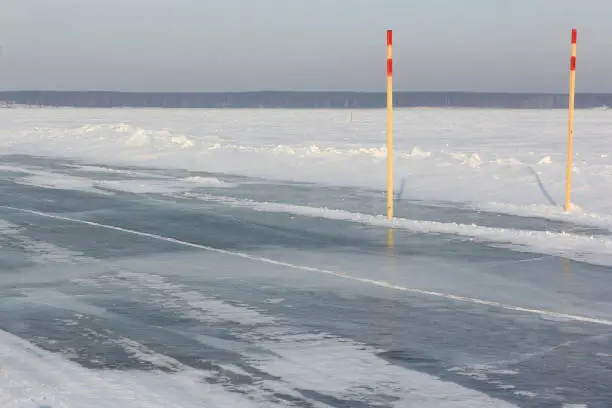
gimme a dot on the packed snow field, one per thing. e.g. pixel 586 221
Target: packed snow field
pixel 241 258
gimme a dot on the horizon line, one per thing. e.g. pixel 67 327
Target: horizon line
pixel 299 92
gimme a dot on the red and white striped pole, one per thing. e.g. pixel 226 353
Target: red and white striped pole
pixel 389 124
pixel 570 133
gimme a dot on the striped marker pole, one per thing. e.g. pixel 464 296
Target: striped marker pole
pixel 570 136
pixel 389 124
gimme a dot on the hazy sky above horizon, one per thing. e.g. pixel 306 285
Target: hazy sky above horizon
pixel 232 45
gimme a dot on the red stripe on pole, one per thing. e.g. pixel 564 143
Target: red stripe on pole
pixel 390 67
pixel 572 63
pixel 574 36
pixel 389 37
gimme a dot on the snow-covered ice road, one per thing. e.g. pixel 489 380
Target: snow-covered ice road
pixel 143 287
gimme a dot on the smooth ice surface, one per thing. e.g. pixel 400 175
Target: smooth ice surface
pixel 242 258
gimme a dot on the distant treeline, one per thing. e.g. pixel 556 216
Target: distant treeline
pixel 300 100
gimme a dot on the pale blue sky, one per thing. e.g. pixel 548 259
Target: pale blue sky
pixel 218 45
